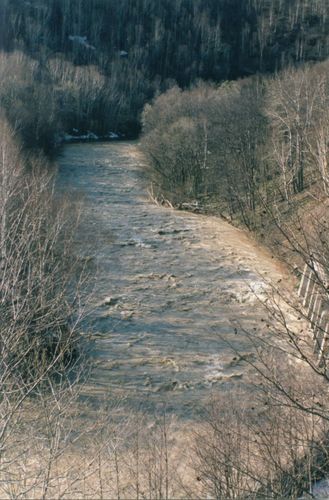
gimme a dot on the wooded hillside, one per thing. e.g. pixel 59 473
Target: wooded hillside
pixel 134 49
pixel 180 39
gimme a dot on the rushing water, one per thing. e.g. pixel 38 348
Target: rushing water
pixel 170 287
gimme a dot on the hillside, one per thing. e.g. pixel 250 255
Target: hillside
pixel 181 39
pixel 96 62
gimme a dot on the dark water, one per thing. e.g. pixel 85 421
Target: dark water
pixel 169 286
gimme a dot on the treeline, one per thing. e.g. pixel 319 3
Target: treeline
pixel 42 99
pixel 93 64
pixel 241 146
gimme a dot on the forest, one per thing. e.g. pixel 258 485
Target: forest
pixel 93 64
pixel 229 100
pixel 243 146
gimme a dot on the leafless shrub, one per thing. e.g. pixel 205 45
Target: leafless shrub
pixel 40 306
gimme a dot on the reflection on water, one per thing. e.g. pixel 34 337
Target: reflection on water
pixel 168 285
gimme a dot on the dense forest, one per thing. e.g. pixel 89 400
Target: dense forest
pixel 92 64
pixel 181 39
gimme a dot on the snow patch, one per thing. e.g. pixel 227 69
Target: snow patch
pixel 89 136
pixel 81 40
pixel 112 135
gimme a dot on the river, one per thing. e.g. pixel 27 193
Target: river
pixel 172 289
